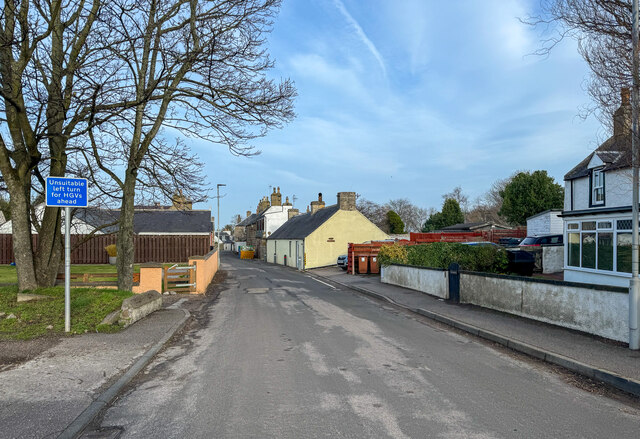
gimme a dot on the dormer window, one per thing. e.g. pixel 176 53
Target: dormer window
pixel 597 187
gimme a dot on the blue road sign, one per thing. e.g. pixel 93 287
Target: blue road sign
pixel 67 192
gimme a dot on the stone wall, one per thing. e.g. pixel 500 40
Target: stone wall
pixel 426 280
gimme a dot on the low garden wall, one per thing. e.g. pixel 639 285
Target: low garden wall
pixel 593 309
pixel 432 281
pixel 206 269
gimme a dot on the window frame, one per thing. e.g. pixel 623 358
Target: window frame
pixel 597 185
pixel 600 227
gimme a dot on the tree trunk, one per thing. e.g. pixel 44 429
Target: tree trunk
pixel 48 254
pixel 124 241
pixel 21 231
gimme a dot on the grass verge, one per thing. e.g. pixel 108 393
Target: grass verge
pixel 88 307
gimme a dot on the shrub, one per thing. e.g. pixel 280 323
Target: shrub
pixel 111 250
pixel 392 254
pixel 483 258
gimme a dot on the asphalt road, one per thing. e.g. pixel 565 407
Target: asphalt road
pixel 286 356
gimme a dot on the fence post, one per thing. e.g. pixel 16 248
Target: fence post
pixel 454 282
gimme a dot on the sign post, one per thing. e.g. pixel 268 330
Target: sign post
pixel 67 192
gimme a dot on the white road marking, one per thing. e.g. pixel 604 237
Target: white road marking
pixel 318 280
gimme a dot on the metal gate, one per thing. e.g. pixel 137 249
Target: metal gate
pixel 180 278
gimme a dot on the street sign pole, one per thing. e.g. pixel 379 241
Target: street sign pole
pixel 67 192
pixel 67 269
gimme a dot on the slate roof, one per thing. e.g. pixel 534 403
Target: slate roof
pixel 301 226
pixel 615 153
pixel 248 220
pixel 151 221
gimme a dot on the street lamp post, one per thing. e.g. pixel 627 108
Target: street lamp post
pixel 634 287
pixel 219 235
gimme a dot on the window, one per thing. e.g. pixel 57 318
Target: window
pixel 574 250
pixel 605 251
pixel 600 245
pixel 588 250
pixel 597 185
pixel 623 247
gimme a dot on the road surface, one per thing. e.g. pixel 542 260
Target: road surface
pixel 284 355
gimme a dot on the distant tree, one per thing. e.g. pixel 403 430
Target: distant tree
pixel 451 214
pixel 376 213
pixel 396 226
pixel 412 216
pixel 530 193
pixel 459 196
pixel 228 227
pixel 487 206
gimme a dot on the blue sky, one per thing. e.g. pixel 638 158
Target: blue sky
pixel 408 99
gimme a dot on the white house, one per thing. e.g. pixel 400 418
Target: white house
pixel 548 222
pixel 597 209
pixel 270 215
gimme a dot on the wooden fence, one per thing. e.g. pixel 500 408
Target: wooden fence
pixel 148 248
pixel 485 235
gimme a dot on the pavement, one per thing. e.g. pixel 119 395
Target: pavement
pixel 610 362
pixel 57 393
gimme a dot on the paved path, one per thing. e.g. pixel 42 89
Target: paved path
pixel 287 356
pixel 41 397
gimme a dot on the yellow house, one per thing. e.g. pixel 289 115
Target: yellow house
pixel 317 238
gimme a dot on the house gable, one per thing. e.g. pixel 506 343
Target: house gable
pixel 332 238
pixel 595 162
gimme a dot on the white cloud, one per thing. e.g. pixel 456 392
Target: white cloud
pixel 361 34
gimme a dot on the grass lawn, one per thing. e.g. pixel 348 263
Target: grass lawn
pixel 88 307
pixel 8 272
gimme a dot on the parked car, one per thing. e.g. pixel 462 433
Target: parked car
pixel 510 242
pixel 520 261
pixel 343 261
pixel 541 240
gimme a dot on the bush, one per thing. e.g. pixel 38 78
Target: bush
pixel 392 254
pixel 482 258
pixel 111 250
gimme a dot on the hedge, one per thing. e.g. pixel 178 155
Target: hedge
pixel 483 258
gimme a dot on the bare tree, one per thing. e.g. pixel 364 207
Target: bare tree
pixel 460 197
pixel 412 216
pixel 487 206
pixel 376 213
pixel 45 100
pixel 113 75
pixel 194 67
pixel 603 31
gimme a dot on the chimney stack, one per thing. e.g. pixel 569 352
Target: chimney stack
pixel 347 200
pixel 248 213
pixel 263 205
pixel 292 213
pixel 287 203
pixel 276 197
pixel 317 205
pixel 622 116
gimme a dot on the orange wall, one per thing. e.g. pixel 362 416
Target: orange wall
pixel 206 268
pixel 150 278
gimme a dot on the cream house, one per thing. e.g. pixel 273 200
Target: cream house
pixel 318 237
